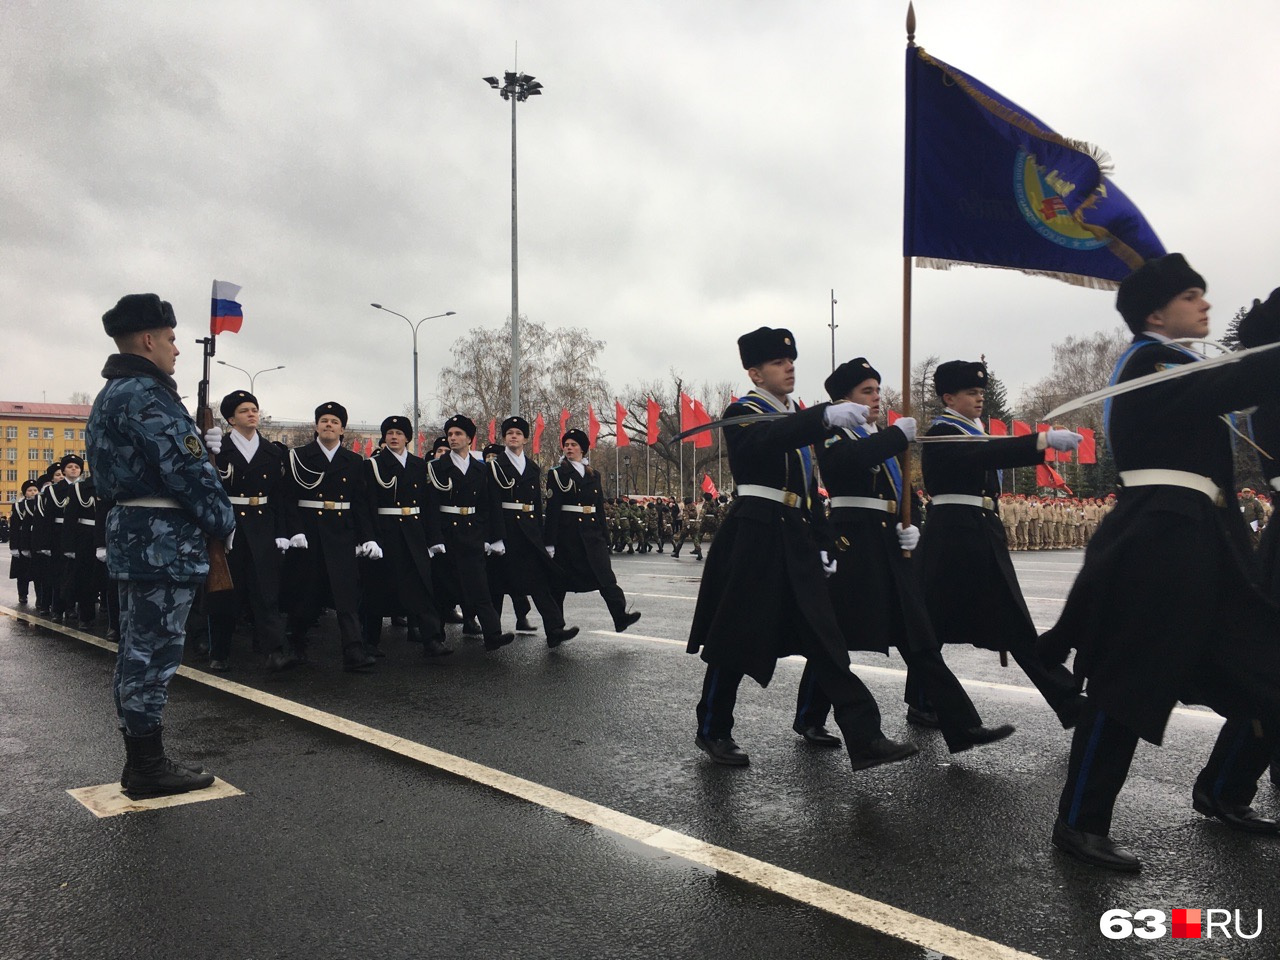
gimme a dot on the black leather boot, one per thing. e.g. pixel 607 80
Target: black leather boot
pixel 149 773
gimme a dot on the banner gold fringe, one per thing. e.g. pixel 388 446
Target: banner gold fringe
pixel 1079 280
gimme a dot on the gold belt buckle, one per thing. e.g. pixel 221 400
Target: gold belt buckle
pixel 891 506
pixel 526 508
pixel 330 505
pixel 253 501
pixel 988 503
pixel 464 511
pixel 406 511
pixel 790 499
pixel 586 509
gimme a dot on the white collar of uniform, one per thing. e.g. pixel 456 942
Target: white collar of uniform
pixel 327 452
pixel 517 461
pixel 871 428
pixel 247 447
pixel 402 457
pixel 577 465
pixel 786 405
pixel 460 462
pixel 976 423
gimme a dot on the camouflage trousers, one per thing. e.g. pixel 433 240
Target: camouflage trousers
pixel 153 617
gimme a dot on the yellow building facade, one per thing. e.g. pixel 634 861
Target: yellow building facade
pixel 33 435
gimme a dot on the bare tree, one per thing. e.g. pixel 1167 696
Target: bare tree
pixel 81 397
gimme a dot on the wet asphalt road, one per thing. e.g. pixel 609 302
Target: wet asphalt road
pixel 341 849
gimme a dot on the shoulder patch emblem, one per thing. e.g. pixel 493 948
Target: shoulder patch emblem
pixel 193 445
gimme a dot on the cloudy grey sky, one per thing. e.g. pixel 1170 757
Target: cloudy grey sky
pixel 695 169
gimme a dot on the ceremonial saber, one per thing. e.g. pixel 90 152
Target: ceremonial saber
pixel 1152 379
pixel 764 417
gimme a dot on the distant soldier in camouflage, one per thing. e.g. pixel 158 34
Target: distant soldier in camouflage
pixel 689 530
pixel 149 461
pixel 710 519
pixel 662 523
pixel 1254 515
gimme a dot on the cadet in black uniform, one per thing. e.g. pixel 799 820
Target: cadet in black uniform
pixel 20 562
pixel 875 596
pixel 80 580
pixel 1168 606
pixel 252 471
pixel 400 581
pixel 762 595
pixel 46 560
pixel 327 518
pixel 464 526
pixel 963 561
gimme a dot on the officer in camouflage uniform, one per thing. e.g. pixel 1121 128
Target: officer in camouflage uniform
pixel 711 510
pixel 149 461
pixel 690 529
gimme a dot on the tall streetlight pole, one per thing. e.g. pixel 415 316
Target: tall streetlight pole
pixel 253 377
pixel 414 327
pixel 833 326
pixel 515 87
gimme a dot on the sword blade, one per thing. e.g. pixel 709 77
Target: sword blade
pixel 717 424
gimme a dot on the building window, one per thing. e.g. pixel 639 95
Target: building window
pixel 11 453
pixel 48 433
pixel 33 453
pixel 81 437
pixel 11 495
pixel 48 454
pixel 11 476
pixel 34 474
pixel 68 433
pixel 11 433
pixel 33 433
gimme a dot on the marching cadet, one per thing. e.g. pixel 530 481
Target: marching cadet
pixel 20 561
pixel 1008 518
pixel 709 518
pixel 326 515
pixel 1035 509
pixel 464 526
pixel 399 581
pixel 969 583
pixel 252 471
pixel 662 523
pixel 525 570
pixel 575 534
pixel 149 462
pixel 874 593
pixel 762 595
pixel 1168 605
pixel 1020 521
pixel 44 537
pixel 689 529
pixel 80 583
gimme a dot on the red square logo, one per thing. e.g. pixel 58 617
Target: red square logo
pixel 1186 924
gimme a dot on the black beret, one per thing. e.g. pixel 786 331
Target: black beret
pixel 579 437
pixel 956 375
pixel 135 312
pixel 847 376
pixel 765 344
pixel 462 423
pixel 233 400
pixel 397 423
pixel 1262 323
pixel 1153 285
pixel 515 421
pixel 71 458
pixel 334 408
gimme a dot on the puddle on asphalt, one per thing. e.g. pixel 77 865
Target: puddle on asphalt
pixel 646 852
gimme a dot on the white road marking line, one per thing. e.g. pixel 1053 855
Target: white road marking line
pixel 872 914
pixel 107 800
pixel 664 596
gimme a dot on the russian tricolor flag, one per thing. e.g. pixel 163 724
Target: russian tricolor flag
pixel 225 314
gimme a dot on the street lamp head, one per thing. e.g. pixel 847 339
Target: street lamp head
pixel 491 81
pixel 376 306
pixel 450 313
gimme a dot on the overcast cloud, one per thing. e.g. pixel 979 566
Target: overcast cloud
pixel 695 169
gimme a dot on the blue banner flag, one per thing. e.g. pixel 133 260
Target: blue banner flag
pixel 988 184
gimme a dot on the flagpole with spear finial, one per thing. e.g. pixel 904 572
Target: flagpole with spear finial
pixel 909 194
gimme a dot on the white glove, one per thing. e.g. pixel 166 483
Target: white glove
pixel 13 551
pixel 231 537
pixel 908 537
pixel 846 413
pixel 551 552
pixel 69 554
pixel 1064 440
pixel 829 566
pixel 369 549
pixel 25 553
pixel 213 440
pixel 498 548
pixel 100 554
pixel 282 544
pixel 298 541
pixel 44 553
pixel 908 426
pixel 436 550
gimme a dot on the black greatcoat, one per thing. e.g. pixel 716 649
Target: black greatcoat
pixel 20 539
pixel 401 581
pixel 526 568
pixel 581 540
pixel 873 591
pixel 327 569
pixel 464 535
pixel 1266 433
pixel 763 586
pixel 258 526
pixel 1167 606
pixel 963 556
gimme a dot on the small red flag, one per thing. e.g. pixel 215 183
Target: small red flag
pixel 893 417
pixel 493 430
pixel 998 428
pixel 564 423
pixel 709 486
pixel 422 443
pixel 688 419
pixel 593 426
pixel 1046 476
pixel 357 445
pixel 701 418
pixel 1088 446
pixel 652 412
pixel 368 447
pixel 619 418
pixel 1020 429
pixel 538 426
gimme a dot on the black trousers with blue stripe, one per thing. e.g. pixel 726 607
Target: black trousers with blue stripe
pixel 1102 750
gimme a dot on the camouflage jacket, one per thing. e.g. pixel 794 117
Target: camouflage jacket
pixel 142 443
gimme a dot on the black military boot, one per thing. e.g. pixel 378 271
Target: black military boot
pixel 675 551
pixel 355 659
pixel 149 773
pixel 472 628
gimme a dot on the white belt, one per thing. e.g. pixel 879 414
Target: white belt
pixel 87 522
pixel 1172 478
pixel 575 508
pixel 59 519
pixel 784 497
pixel 163 503
pixel 865 503
pixel 964 499
pixel 324 504
pixel 464 511
pixel 398 511
pixel 249 501
pixel 517 505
